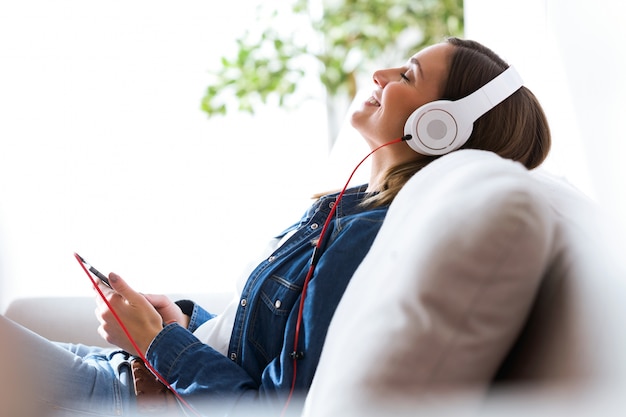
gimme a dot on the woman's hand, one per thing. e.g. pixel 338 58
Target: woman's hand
pixel 168 310
pixel 141 318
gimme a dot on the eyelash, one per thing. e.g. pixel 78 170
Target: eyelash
pixel 404 77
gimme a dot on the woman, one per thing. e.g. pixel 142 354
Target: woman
pixel 263 345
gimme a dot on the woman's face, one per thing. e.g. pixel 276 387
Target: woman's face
pixel 399 91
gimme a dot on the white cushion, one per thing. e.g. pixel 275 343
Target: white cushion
pixel 575 335
pixel 444 291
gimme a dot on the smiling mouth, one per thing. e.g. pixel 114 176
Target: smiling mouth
pixel 373 101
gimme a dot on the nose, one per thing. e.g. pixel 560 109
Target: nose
pixel 380 78
pixel 383 76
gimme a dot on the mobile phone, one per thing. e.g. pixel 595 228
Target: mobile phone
pixel 93 270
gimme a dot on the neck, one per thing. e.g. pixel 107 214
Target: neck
pixel 377 179
pixel 385 159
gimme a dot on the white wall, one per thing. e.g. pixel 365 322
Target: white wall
pixel 571 54
pixel 104 150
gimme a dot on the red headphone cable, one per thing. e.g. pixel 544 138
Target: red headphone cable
pixel 132 341
pixel 317 253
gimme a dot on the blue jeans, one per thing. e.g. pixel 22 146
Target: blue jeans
pixel 49 379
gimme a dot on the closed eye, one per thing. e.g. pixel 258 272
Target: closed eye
pixel 404 77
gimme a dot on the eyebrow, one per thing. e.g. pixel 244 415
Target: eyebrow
pixel 415 61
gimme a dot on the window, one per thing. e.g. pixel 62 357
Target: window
pixel 105 150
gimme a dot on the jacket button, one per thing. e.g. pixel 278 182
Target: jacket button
pixel 278 303
pixel 314 226
pixel 244 302
pixel 233 356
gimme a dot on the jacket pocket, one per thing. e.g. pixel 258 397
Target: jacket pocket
pixel 277 299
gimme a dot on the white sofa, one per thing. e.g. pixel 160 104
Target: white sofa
pixel 486 282
pixel 485 279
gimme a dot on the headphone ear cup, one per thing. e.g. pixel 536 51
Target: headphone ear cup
pixel 433 128
pixel 443 126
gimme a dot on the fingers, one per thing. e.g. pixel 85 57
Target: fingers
pixel 127 319
pixel 158 300
pixel 118 297
pixel 119 285
pixel 122 288
pixel 169 311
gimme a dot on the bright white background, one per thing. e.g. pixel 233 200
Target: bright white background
pixel 570 54
pixel 104 149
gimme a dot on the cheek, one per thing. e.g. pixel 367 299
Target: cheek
pixel 397 117
pixel 402 103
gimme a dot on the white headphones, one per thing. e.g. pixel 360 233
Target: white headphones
pixel 443 126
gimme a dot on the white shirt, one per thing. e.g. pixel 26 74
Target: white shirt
pixel 217 331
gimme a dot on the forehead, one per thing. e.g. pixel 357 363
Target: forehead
pixel 434 59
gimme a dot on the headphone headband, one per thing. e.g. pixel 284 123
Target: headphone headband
pixel 491 94
pixel 443 126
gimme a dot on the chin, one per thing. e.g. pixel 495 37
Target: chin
pixel 354 119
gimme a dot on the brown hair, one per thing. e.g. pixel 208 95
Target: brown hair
pixel 516 129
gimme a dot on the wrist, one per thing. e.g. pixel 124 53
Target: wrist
pixel 187 308
pixel 182 320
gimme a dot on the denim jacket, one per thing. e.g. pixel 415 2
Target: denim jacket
pixel 258 369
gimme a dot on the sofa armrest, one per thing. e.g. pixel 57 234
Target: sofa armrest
pixel 72 319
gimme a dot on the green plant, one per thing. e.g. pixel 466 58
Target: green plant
pixel 337 43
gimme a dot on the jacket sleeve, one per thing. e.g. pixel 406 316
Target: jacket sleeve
pixel 215 383
pixel 197 315
pixel 203 376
